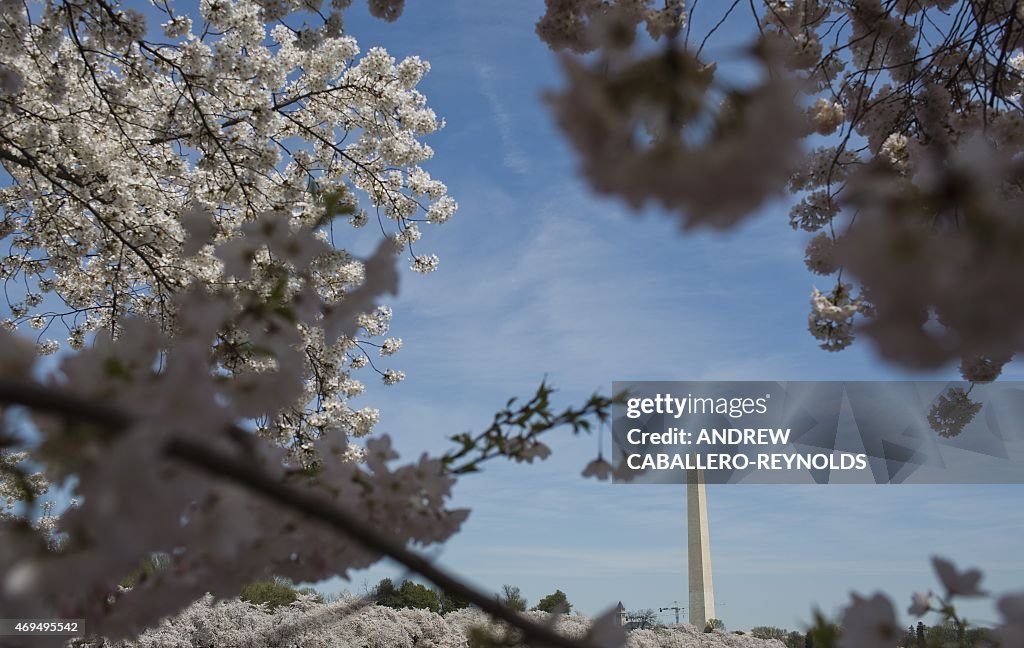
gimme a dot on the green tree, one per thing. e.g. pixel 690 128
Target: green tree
pixel 979 637
pixel 908 638
pixel 824 633
pixel 512 598
pixel 555 603
pixel 408 595
pixel 451 603
pixel 714 624
pixel 419 596
pixel 273 593
pixel 384 593
pixel 952 634
pixel 794 640
pixel 768 632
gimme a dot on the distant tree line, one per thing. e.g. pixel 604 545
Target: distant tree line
pixel 946 634
pixel 825 635
pixel 792 638
pixel 414 595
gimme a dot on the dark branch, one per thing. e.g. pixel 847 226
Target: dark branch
pixel 224 466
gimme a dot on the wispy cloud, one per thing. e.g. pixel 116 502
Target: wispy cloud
pixel 514 159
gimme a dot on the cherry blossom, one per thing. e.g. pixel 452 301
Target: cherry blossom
pixel 1011 633
pixel 598 469
pixel 952 411
pixel 639 123
pixel 870 622
pixel 832 316
pixel 982 369
pixel 956 582
pixel 584 25
pixel 920 604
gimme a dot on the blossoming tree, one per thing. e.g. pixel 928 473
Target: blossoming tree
pixel 175 196
pixel 173 200
pixel 896 125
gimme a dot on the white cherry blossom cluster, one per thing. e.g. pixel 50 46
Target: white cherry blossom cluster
pixel 225 149
pixel 821 257
pixel 660 128
pixel 137 500
pixel 658 125
pixel 349 621
pixel 585 25
pixel 982 369
pixel 915 193
pixel 952 411
pixel 22 493
pixel 832 316
pixel 910 180
pixel 936 251
pixel 826 116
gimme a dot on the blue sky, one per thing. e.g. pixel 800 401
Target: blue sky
pixel 538 278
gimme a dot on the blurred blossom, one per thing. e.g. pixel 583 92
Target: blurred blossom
pixel 920 603
pixel 870 623
pixel 952 411
pixel 956 582
pixel 599 469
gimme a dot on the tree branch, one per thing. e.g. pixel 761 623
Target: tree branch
pixel 222 465
pixel 61 403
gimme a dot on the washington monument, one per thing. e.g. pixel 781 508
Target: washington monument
pixel 702 591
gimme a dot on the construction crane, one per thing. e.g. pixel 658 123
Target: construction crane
pixel 674 608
